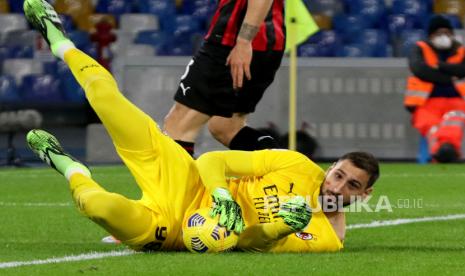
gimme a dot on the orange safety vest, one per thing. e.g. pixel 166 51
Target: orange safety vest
pixel 419 90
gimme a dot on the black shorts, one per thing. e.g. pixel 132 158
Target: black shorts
pixel 207 86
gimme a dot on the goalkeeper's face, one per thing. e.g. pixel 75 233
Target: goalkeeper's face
pixel 344 183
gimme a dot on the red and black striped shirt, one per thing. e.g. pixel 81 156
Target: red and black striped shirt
pixel 227 22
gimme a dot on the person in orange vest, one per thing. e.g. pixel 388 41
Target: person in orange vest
pixel 436 90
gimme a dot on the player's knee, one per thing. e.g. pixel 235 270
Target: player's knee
pixel 102 90
pixel 99 206
pixel 220 133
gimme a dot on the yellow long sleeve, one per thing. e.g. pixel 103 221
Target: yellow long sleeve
pixel 215 166
pixel 262 237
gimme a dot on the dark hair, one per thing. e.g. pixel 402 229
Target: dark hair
pixel 365 161
pixel 437 22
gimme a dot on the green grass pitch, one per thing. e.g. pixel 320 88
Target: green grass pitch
pixel 39 222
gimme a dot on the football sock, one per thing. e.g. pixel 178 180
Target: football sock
pixel 251 139
pixel 188 146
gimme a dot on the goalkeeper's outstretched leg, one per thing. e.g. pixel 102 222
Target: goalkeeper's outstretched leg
pixel 125 219
pixel 128 126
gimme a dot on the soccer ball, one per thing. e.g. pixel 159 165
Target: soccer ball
pixel 203 234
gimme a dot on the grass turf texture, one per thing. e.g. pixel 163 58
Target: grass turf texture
pixel 39 221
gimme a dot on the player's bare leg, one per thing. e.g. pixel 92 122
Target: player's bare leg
pixel 225 129
pixel 183 123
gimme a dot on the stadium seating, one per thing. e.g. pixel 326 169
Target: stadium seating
pixel 20 51
pixel 373 10
pixel 21 67
pixel 456 7
pixel 350 25
pixel 8 90
pixel 12 22
pixel 164 10
pixel 326 7
pixel 397 23
pixel 154 38
pixel 324 22
pixel 67 22
pixel 76 9
pixel 115 7
pixel 15 6
pixel 324 44
pixel 70 88
pixel 80 38
pixel 200 9
pixel 40 89
pixel 376 39
pixel 407 40
pixel 139 50
pixel 87 23
pixel 355 50
pixel 19 38
pixel 138 22
pixel 4 6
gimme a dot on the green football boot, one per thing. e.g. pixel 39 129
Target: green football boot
pixel 44 19
pixel 49 150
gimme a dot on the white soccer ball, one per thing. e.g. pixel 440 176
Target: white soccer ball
pixel 203 234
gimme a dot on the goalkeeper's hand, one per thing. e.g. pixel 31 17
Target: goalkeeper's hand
pixel 296 213
pixel 229 211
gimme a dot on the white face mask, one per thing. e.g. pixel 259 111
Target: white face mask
pixel 442 42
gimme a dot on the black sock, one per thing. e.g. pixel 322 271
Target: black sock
pixel 188 146
pixel 251 139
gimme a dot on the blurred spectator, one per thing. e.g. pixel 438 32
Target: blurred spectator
pixel 103 37
pixel 436 91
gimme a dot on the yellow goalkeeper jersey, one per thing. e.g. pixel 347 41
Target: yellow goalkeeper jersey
pixel 265 179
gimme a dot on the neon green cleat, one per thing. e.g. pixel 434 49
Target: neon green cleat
pixel 45 19
pixel 49 150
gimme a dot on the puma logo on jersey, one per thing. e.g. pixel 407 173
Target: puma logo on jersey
pixel 264 137
pixel 184 89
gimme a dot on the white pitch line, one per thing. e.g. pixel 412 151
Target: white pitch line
pixel 394 222
pixel 72 258
pixel 101 255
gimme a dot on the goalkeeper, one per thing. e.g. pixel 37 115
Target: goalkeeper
pixel 173 184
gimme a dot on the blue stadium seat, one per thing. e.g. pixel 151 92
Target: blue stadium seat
pixel 177 50
pixel 16 6
pixel 164 9
pixel 80 38
pixel 377 39
pixel 21 52
pixel 50 68
pixel 70 88
pixel 309 50
pixel 153 38
pixel 408 39
pixel 187 24
pixel 67 22
pixel 350 25
pixel 328 42
pixel 355 50
pixel 40 89
pixel 115 7
pixel 4 54
pixel 200 9
pixel 397 23
pixel 326 7
pixel 374 10
pixel 415 8
pixel 8 90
